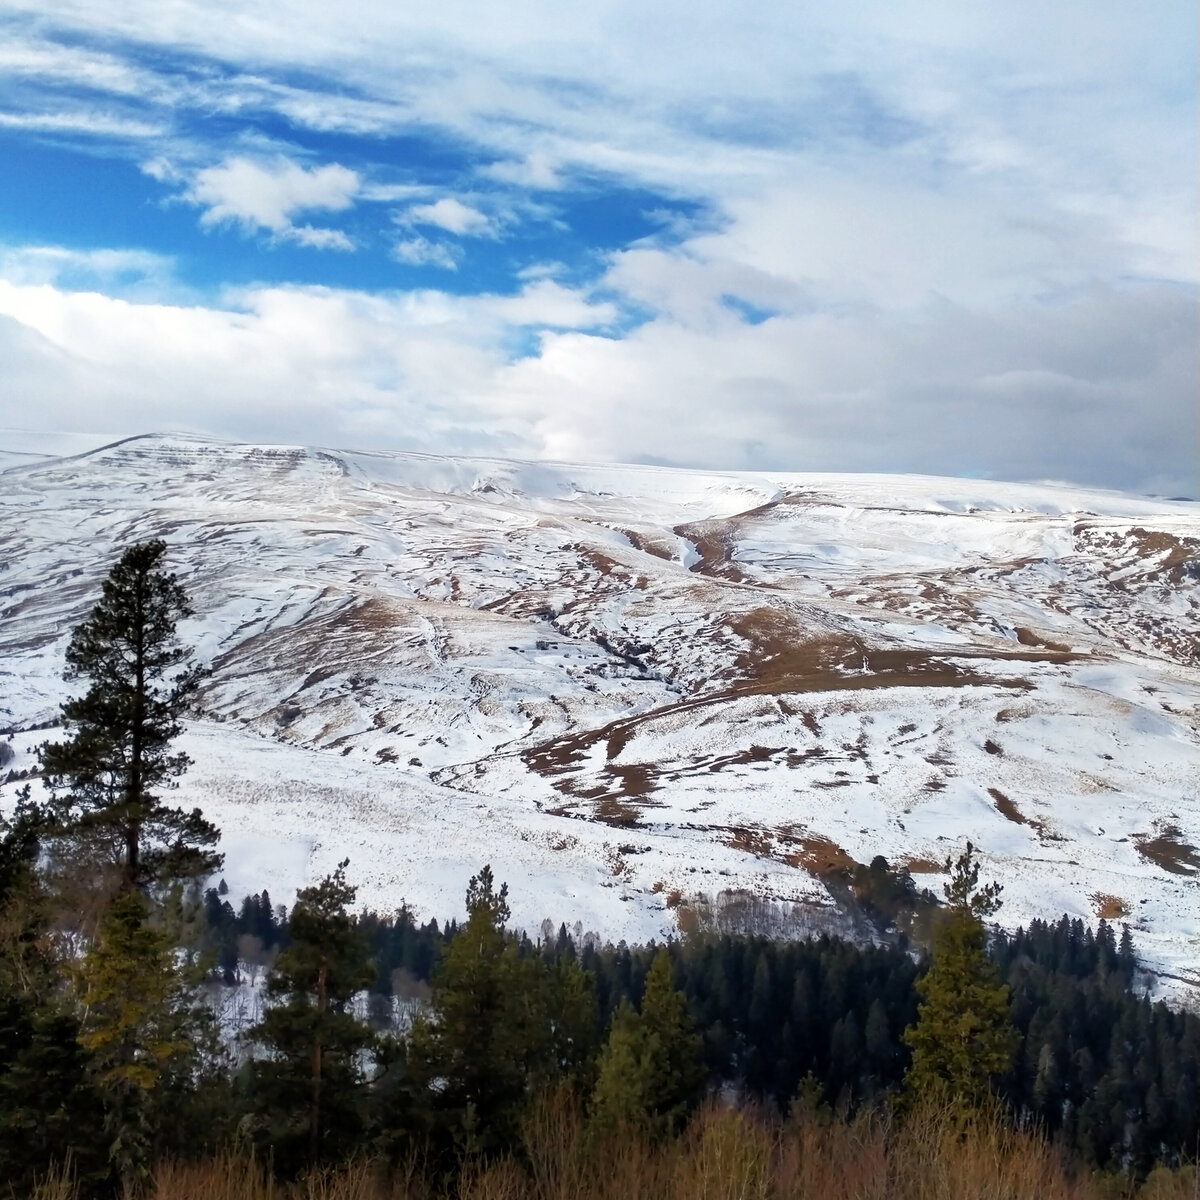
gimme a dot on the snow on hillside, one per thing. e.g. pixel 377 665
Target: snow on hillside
pixel 619 683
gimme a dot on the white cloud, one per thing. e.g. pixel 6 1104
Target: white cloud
pixel 548 304
pixel 536 170
pixel 320 239
pixel 965 220
pixel 421 252
pixel 109 270
pixel 451 215
pixel 268 193
pixel 81 121
pixel 1095 388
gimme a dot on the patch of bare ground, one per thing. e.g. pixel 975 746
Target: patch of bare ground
pixel 1108 907
pixel 922 866
pixel 819 856
pixel 1007 809
pixel 1004 715
pixel 1167 849
pixel 615 812
pixel 1026 637
pixel 783 656
pixel 750 841
pixel 648 543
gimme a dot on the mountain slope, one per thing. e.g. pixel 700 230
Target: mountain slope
pixel 616 683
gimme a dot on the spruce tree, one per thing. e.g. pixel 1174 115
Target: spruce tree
pixel 503 1023
pixel 650 1070
pixel 484 1038
pixel 106 774
pixel 963 1039
pixel 307 1097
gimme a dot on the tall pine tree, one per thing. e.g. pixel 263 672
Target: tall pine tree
pixel 307 1098
pixel 650 1070
pixel 963 1039
pixel 107 773
pixel 503 1023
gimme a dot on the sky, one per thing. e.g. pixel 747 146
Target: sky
pixel 947 237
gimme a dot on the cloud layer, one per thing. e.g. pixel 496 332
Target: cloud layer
pixel 942 238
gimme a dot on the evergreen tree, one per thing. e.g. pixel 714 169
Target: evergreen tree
pixel 47 1106
pixel 493 1038
pixel 650 1071
pixel 141 1028
pixel 307 1099
pixel 963 1038
pixel 106 774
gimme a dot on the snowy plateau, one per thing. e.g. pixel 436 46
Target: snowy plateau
pixel 627 686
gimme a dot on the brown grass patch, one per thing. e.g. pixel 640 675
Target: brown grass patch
pixel 616 813
pixel 1007 809
pixel 786 657
pixel 1109 908
pixel 1167 849
pixel 923 866
pixel 649 544
pixel 821 857
pixel 750 841
pixel 714 542
pixel 1027 637
pixel 723 1153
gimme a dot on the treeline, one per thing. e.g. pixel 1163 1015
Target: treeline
pixel 1102 1069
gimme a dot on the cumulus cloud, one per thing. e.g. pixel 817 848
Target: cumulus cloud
pixel 421 252
pixel 449 214
pixel 268 193
pixel 320 239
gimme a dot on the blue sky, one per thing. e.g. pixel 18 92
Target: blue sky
pixel 952 238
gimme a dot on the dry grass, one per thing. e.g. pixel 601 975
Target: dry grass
pixel 1006 808
pixel 821 857
pixel 1108 907
pixel 923 866
pixel 750 841
pixel 725 1154
pixel 1027 637
pixel 1167 849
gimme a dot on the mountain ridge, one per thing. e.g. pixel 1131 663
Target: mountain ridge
pixel 428 662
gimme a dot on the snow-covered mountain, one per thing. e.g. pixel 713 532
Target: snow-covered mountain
pixel 620 683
